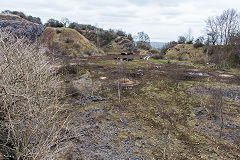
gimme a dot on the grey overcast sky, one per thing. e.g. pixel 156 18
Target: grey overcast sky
pixel 162 20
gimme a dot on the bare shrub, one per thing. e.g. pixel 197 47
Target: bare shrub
pixel 29 99
pixel 68 69
pixel 217 107
pixel 198 44
pixel 158 56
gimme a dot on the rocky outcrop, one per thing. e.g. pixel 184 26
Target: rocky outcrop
pixel 21 27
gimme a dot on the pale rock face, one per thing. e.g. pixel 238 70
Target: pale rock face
pixel 23 28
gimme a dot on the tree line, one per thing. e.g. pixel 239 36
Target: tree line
pixel 142 40
pixel 220 41
pixel 223 38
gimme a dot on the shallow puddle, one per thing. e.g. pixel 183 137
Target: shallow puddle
pixel 198 74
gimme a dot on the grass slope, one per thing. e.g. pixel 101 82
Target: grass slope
pixel 186 52
pixel 118 45
pixel 68 42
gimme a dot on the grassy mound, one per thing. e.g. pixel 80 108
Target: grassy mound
pixel 118 45
pixel 68 42
pixel 186 52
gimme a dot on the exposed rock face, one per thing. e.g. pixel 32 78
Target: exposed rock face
pixel 21 27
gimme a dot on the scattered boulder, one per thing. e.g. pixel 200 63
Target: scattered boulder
pixel 127 59
pixel 117 58
pixel 95 99
pixel 103 78
pixel 199 113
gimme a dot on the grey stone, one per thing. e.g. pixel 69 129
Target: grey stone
pixel 23 29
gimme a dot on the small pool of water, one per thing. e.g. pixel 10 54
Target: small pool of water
pixel 198 74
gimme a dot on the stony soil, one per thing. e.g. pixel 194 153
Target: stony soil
pixel 163 116
pixel 168 111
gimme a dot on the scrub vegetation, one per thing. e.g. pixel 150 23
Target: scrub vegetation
pixel 81 92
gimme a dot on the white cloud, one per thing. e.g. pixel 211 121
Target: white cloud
pixel 163 20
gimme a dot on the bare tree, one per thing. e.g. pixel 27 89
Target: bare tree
pixel 182 40
pixel 212 31
pixel 186 37
pixel 189 36
pixel 143 37
pixel 220 28
pixel 65 21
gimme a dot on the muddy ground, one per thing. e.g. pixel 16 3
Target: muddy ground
pixel 150 109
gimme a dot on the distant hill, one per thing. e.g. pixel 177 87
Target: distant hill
pixel 157 44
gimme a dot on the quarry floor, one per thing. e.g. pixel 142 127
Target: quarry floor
pixel 150 109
